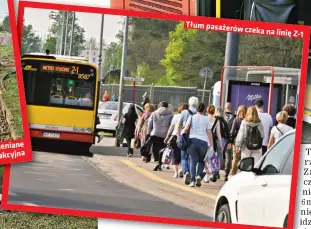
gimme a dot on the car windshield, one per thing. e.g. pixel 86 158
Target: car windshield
pixel 110 106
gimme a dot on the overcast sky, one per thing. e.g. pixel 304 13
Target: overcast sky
pixel 90 22
pixel 3 9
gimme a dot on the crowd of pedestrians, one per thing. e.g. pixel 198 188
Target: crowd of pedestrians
pixel 204 139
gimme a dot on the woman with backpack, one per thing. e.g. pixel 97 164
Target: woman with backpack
pixel 250 136
pixel 225 137
pixel 280 129
pixel 240 115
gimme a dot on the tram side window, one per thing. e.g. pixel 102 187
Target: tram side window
pixel 36 88
pixel 72 93
pixel 48 90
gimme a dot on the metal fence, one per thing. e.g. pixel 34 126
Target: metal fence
pixel 173 95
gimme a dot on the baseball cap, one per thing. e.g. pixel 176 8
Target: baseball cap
pixel 259 102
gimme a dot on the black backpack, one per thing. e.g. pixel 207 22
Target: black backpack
pixel 253 140
pixel 229 118
pixel 235 128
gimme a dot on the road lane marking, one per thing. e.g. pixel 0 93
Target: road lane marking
pixel 167 182
pixel 30 204
pixel 12 194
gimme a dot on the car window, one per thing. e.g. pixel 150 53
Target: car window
pixel 273 161
pixel 287 170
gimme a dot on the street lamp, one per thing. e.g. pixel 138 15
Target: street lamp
pixel 123 72
pixel 205 73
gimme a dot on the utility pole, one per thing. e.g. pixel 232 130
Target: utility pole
pixel 66 33
pixel 231 59
pixel 72 32
pixel 62 33
pixel 123 73
pixel 100 55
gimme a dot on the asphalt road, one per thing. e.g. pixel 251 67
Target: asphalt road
pixel 65 181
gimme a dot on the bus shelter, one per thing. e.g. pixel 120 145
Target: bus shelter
pixel 242 85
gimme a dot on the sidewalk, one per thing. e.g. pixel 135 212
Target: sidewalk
pixel 140 175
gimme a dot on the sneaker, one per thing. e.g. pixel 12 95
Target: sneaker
pixel 206 179
pixel 181 174
pixel 167 167
pixel 130 155
pixel 213 178
pixel 187 178
pixel 218 176
pixel 226 178
pixel 192 184
pixel 198 181
pixel 157 167
pixel 175 175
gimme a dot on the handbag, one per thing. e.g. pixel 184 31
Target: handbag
pixel 167 154
pixel 137 143
pixel 145 150
pixel 183 140
pixel 120 131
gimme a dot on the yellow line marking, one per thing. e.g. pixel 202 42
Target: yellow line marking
pixel 307 112
pixel 167 182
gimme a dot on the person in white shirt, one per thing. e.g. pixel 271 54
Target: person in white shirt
pixel 266 121
pixel 200 138
pixel 280 129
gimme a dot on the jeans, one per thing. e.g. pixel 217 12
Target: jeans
pixel 228 161
pixel 185 161
pixel 197 151
pixel 220 153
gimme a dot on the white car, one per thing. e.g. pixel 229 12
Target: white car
pixel 259 195
pixel 108 115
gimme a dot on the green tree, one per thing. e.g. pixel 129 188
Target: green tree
pixel 78 33
pixel 190 50
pixel 30 41
pixel 270 51
pixel 5 25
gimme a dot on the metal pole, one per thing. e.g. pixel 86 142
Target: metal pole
pixel 210 97
pixel 101 48
pixel 62 33
pixel 123 71
pixel 66 33
pixel 72 32
pixel 287 92
pixel 134 92
pixel 231 59
pixel 203 94
pixel 218 8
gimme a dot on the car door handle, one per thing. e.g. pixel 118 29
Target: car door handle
pixel 264 184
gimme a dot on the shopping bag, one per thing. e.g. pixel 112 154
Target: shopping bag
pixel 145 150
pixel 167 156
pixel 212 163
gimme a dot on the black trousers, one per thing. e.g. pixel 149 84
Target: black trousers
pixel 264 149
pixel 157 145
